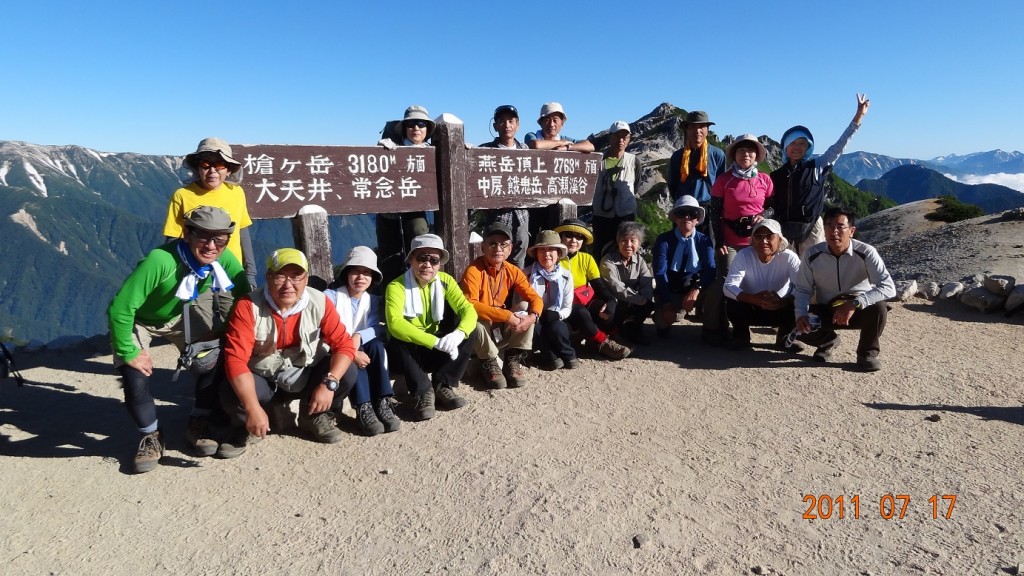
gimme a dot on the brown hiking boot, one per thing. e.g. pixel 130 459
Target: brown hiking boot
pixel 322 427
pixel 515 372
pixel 151 449
pixel 612 349
pixel 492 373
pixel 197 435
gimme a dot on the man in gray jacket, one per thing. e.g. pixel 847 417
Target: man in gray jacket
pixel 850 284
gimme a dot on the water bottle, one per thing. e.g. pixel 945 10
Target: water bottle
pixel 815 323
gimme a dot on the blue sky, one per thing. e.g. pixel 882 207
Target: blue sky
pixel 156 77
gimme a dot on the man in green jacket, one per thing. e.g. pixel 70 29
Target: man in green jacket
pixel 150 304
pixel 431 324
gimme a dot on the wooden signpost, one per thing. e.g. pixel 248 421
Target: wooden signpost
pixel 308 183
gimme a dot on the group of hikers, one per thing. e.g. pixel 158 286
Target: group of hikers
pixel 746 248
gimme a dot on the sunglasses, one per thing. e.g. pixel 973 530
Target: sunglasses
pixel 431 259
pixel 218 241
pixel 573 236
pixel 689 215
pixel 218 166
pixel 416 124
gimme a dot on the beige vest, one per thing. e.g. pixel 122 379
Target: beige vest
pixel 287 367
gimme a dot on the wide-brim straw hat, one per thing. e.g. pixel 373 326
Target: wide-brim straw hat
pixel 547 239
pixel 730 153
pixel 213 145
pixel 578 226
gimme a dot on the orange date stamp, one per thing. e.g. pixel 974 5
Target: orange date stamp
pixel 890 506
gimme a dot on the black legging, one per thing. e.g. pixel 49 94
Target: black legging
pixel 140 404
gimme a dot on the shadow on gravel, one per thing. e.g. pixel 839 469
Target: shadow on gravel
pixel 56 420
pixel 1011 414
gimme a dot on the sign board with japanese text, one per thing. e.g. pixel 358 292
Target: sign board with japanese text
pixel 279 179
pixel 506 178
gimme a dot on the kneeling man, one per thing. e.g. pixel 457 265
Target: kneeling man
pixel 849 283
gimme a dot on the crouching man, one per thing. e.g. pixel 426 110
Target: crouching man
pixel 430 323
pixel 150 304
pixel 759 286
pixel 850 284
pixel 284 342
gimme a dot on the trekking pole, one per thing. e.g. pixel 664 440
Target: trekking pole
pixel 8 365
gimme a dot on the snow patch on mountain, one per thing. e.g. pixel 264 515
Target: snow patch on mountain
pixel 35 177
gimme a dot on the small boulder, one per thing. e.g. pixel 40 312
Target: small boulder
pixel 982 299
pixel 950 290
pixel 1000 285
pixel 904 290
pixel 929 290
pixel 1016 298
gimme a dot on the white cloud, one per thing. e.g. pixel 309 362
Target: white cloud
pixel 1015 181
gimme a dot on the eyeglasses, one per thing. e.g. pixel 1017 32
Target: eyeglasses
pixel 431 259
pixel 280 279
pixel 763 237
pixel 840 227
pixel 218 241
pixel 574 236
pixel 500 245
pixel 415 124
pixel 689 215
pixel 218 166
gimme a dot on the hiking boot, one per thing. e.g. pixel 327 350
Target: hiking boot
pixel 368 420
pixel 492 373
pixel 151 450
pixel 236 444
pixel 423 409
pixel 515 372
pixel 612 349
pixel 322 427
pixel 197 435
pixel 571 363
pixel 869 364
pixel 386 416
pixel 448 399
pixel 550 362
pixel 780 342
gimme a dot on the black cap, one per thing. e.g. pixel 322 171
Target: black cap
pixel 498 228
pixel 506 108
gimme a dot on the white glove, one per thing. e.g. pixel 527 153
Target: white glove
pixel 387 143
pixel 449 343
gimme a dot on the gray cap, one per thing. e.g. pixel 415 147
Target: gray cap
pixel 210 219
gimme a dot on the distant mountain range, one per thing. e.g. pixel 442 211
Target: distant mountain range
pixel 910 183
pixel 75 221
pixel 858 166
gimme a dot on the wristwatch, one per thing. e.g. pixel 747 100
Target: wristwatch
pixel 331 383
